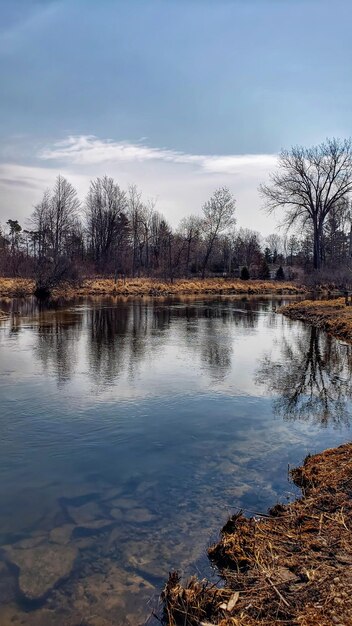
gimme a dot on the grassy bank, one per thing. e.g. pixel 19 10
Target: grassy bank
pixel 18 287
pixel 292 566
pixel 332 316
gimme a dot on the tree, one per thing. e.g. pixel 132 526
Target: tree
pixel 264 271
pixel 245 273
pixel 274 244
pixel 267 255
pixel 15 230
pixel 189 230
pixel 292 247
pixel 247 247
pixel 55 219
pixel 107 224
pixel 336 238
pixel 280 274
pixel 62 215
pixel 218 216
pixel 309 183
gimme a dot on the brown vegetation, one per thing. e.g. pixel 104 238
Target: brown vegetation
pixel 292 566
pixel 145 286
pixel 16 287
pixel 333 316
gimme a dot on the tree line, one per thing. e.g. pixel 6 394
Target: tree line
pixel 116 232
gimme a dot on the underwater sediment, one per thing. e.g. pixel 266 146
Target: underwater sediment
pixel 292 566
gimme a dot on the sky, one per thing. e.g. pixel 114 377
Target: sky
pixel 176 96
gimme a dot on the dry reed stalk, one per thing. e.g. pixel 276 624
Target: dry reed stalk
pixel 333 316
pixel 293 566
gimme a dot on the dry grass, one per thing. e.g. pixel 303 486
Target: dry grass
pixel 16 287
pixel 333 316
pixel 292 566
pixel 144 286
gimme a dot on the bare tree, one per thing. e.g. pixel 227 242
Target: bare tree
pixel 246 247
pixel 218 216
pixel 189 231
pixel 55 219
pixel 62 214
pixel 274 244
pixel 309 183
pixel 106 207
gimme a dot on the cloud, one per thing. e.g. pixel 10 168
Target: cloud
pixel 89 150
pixel 179 182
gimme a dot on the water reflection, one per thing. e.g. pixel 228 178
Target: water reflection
pixel 132 428
pixel 311 377
pixel 117 333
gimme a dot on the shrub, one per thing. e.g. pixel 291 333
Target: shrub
pixel 245 273
pixel 264 271
pixel 280 274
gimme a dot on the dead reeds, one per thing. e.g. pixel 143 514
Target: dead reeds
pixel 292 566
pixel 333 316
pixel 15 287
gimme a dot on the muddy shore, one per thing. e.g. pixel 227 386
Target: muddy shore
pixel 292 566
pixel 332 316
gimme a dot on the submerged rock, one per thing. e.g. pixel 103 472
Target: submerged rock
pixel 111 493
pixel 124 503
pixel 7 585
pixel 86 513
pixel 30 542
pixel 136 515
pixel 41 568
pixel 62 534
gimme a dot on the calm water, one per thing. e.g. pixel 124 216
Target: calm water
pixel 130 430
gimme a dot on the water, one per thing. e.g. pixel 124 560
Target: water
pixel 131 429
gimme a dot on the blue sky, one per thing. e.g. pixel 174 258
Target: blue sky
pixel 172 95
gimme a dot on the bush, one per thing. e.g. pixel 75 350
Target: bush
pixel 50 274
pixel 330 278
pixel 245 273
pixel 264 271
pixel 280 274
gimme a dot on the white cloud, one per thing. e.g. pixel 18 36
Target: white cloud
pixel 180 182
pixel 88 150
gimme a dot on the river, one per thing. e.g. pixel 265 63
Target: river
pixel 132 429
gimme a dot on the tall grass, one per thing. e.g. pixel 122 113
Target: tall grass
pixel 146 286
pixel 12 287
pixel 16 287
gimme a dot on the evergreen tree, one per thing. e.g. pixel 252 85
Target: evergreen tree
pixel 245 273
pixel 264 271
pixel 280 274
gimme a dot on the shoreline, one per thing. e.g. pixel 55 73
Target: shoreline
pixel 331 316
pixel 18 287
pixel 291 566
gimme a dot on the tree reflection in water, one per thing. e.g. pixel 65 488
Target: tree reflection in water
pixel 311 379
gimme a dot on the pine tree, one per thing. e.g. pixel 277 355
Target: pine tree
pixel 280 274
pixel 245 273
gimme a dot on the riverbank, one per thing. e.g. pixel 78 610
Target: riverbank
pixel 332 316
pixel 292 566
pixel 18 287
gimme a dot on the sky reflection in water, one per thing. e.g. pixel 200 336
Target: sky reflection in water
pixel 164 417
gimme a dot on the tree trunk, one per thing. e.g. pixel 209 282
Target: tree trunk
pixel 317 248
